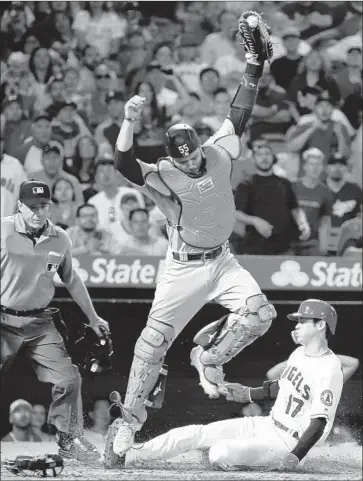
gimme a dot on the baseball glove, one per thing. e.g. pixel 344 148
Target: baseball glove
pixel 37 464
pixel 255 35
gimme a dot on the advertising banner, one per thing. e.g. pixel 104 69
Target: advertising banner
pixel 271 272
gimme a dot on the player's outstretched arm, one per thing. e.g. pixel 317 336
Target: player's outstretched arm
pixel 243 394
pixel 125 159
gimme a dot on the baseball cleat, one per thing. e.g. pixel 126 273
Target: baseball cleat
pixel 110 459
pixel 131 460
pixel 77 447
pixel 210 388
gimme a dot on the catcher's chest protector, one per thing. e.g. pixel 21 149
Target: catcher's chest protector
pixel 207 204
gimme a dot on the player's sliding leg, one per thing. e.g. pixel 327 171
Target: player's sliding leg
pixel 222 340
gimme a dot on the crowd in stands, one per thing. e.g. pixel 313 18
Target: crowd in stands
pixel 67 69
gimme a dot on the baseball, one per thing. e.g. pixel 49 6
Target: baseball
pixel 252 21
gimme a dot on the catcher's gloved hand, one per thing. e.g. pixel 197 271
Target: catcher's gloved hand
pixel 255 37
pixel 237 392
pixel 52 462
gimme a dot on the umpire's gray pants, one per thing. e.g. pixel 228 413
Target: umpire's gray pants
pixel 44 346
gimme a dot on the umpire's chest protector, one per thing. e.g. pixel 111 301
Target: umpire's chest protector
pixel 207 209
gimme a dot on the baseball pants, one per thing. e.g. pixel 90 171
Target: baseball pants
pixel 44 346
pixel 248 441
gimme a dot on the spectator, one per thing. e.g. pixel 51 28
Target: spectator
pixel 350 240
pixel 107 132
pixel 17 127
pixel 63 211
pixel 352 109
pixel 12 175
pixel 133 58
pixel 222 103
pixel 53 95
pixel 157 219
pixel 141 242
pixel 314 73
pixel 188 65
pixel 90 58
pixel 20 417
pixel 164 55
pixel 121 231
pixel 63 39
pixel 72 87
pixel 85 236
pixel 210 81
pixel 221 43
pixel 192 16
pixel 349 79
pixel 355 160
pixel 315 199
pixel 68 126
pixel 320 131
pixel 15 24
pixel 40 65
pixel 100 416
pixel 347 198
pixel 204 131
pixel 31 42
pixel 190 113
pixel 99 28
pixel 150 128
pixel 53 156
pixel 39 426
pixel 30 153
pixel 107 201
pixel 267 205
pixel 271 112
pixel 97 111
pixel 84 162
pixel 285 68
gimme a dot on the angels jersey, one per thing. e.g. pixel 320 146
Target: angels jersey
pixel 309 387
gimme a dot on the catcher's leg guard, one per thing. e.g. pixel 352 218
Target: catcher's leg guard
pixel 222 340
pixel 150 350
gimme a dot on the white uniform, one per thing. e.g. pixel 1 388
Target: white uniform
pixel 12 175
pixel 310 387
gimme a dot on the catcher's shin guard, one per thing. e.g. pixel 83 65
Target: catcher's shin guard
pixel 255 37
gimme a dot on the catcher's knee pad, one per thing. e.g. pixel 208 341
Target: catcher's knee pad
pixel 224 339
pixel 154 341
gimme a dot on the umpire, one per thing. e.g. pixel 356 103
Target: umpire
pixel 33 250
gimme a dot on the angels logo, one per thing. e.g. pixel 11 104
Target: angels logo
pixel 326 397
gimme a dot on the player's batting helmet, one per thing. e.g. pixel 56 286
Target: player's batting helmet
pixel 317 310
pixel 181 140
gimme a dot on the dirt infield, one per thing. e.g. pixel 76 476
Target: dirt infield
pixel 343 462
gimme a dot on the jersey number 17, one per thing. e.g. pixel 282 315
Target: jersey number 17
pixel 294 405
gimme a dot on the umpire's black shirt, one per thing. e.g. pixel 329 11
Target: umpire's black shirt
pixel 271 198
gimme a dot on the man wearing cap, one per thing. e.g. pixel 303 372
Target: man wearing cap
pixel 52 169
pixel 284 69
pixel 306 398
pixel 33 250
pixel 20 417
pixel 188 68
pixel 192 188
pixel 106 133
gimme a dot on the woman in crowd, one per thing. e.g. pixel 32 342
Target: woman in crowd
pixel 64 206
pixel 84 162
pixel 39 424
pixel 40 65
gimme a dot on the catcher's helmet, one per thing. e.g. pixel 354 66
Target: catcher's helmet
pixel 92 353
pixel 318 310
pixel 181 140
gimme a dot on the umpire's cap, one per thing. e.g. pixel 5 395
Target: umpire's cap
pixel 317 310
pixel 181 141
pixel 34 191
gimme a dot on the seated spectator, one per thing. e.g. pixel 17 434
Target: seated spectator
pixel 141 242
pixel 84 162
pixel 222 102
pixel 320 131
pixel 18 127
pixel 271 226
pixel 90 58
pixel 20 417
pixel 108 199
pixel 100 28
pixel 221 43
pixel 64 207
pixel 30 153
pixel 107 132
pixel 271 112
pixel 101 419
pixel 190 113
pixel 210 81
pixel 68 126
pixel 53 94
pixel 188 65
pixel 349 79
pixel 72 88
pixel 39 424
pixel 121 230
pixel 164 54
pixel 97 110
pixel 12 176
pixel 285 68
pixel 85 236
pixel 52 162
pixel 347 198
pixel 41 66
pixel 63 38
pixel 150 127
pixel 313 73
pixel 350 239
pixel 316 200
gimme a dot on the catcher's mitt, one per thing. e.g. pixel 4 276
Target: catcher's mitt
pixel 36 464
pixel 255 35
